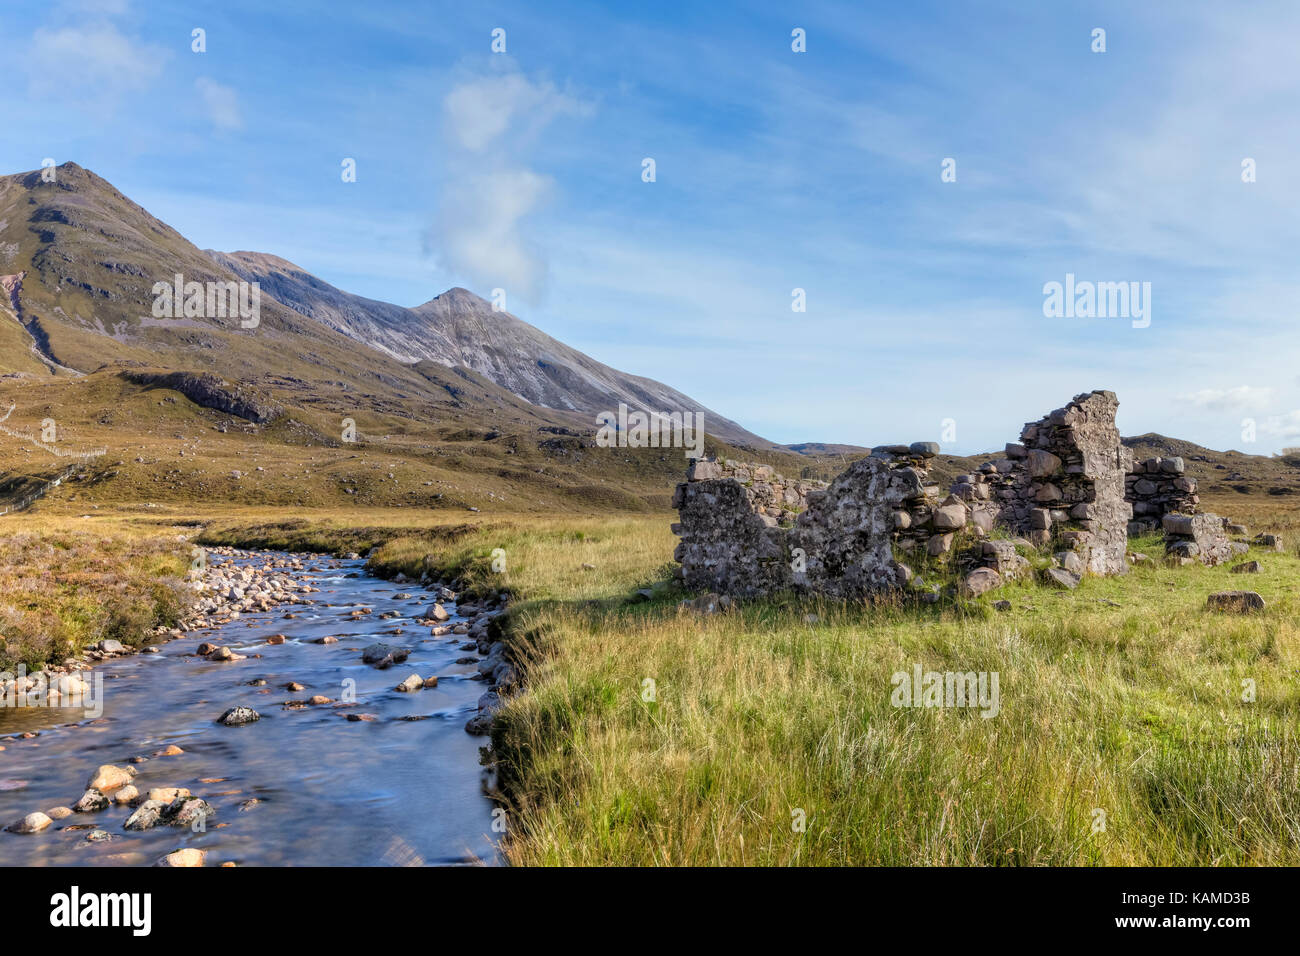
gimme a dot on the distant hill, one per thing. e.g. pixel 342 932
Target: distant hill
pixel 818 449
pixel 1224 472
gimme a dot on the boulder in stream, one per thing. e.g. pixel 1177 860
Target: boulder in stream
pixel 32 823
pixel 109 777
pixel 384 655
pixel 91 801
pixel 189 856
pixel 236 716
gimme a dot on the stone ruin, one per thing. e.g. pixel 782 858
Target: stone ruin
pixel 840 544
pixel 1069 489
pixel 1157 487
pixel 1062 486
pixel 1200 537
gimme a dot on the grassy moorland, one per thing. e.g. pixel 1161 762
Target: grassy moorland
pixel 65 587
pixel 652 734
pixel 1125 696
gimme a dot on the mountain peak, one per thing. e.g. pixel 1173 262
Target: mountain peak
pixel 93 256
pixel 263 260
pixel 457 298
pixel 67 177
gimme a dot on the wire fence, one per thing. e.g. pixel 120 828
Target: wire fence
pixel 15 505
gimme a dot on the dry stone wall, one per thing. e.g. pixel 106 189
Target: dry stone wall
pixel 747 531
pixel 1156 487
pixel 840 543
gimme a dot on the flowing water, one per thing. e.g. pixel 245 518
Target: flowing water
pixel 401 789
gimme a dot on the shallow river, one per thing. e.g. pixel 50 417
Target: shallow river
pixel 402 789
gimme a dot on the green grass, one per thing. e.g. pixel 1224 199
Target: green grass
pixel 1123 697
pixel 759 718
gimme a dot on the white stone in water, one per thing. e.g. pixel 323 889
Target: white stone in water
pixel 32 823
pixel 412 683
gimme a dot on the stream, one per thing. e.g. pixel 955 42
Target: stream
pixel 303 785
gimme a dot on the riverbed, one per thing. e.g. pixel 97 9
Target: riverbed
pixel 304 785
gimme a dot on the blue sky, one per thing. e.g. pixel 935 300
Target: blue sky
pixel 774 170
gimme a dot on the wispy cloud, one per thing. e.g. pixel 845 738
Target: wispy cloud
pixel 1241 398
pixel 490 190
pixel 221 103
pixel 481 112
pixel 94 62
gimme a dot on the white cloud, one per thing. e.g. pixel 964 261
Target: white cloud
pixel 1241 398
pixel 481 111
pixel 489 190
pixel 96 59
pixel 1282 428
pixel 479 231
pixel 222 103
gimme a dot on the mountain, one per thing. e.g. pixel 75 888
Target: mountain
pixel 80 261
pixel 88 258
pixel 458 328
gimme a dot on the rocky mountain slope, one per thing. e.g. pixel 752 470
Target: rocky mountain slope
pixel 460 329
pixel 89 258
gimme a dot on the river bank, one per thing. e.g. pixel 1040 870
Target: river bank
pixel 355 756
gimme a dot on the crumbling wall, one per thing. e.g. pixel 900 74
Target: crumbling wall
pixel 1156 487
pixel 845 540
pixel 1200 537
pixel 726 545
pixel 745 531
pixel 840 543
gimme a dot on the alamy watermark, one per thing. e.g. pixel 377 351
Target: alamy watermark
pixel 208 300
pixel 947 689
pixel 638 429
pixel 69 691
pixel 1098 300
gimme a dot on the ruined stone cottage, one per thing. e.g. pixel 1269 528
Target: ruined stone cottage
pixel 840 544
pixel 1061 487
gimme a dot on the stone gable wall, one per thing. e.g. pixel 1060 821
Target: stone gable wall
pixel 1069 492
pixel 1061 486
